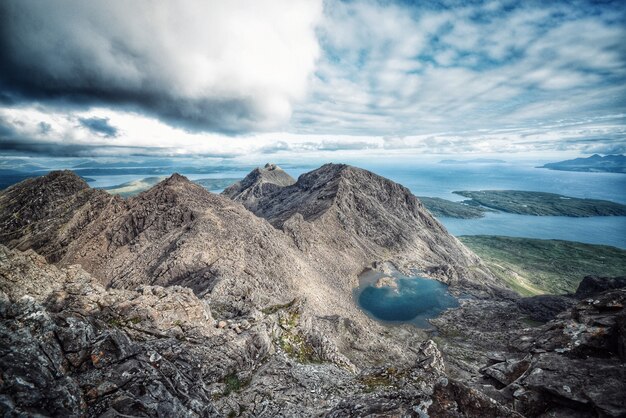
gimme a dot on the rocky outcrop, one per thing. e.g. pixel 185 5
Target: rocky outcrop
pixel 574 365
pixel 592 285
pixel 68 347
pixel 544 308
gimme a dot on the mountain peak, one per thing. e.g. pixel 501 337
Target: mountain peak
pixel 65 179
pixel 176 178
pixel 56 185
pixel 260 182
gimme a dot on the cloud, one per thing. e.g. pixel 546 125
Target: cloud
pixel 99 126
pixel 310 78
pixel 137 134
pixel 396 68
pixel 210 65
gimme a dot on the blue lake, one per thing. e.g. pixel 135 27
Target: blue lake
pixel 413 300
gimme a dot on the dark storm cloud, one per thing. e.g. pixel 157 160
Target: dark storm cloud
pixel 99 126
pixel 182 62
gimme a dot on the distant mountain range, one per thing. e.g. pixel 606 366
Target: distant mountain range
pixel 595 163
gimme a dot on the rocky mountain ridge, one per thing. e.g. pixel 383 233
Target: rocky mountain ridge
pixel 182 302
pixel 177 233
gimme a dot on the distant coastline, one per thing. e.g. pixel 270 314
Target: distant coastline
pixel 594 164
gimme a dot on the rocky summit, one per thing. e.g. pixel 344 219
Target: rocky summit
pixel 180 302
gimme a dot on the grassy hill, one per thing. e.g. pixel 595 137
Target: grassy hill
pixel 542 204
pixel 535 266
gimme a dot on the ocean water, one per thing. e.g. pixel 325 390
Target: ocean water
pixel 440 180
pixel 605 230
pixel 414 301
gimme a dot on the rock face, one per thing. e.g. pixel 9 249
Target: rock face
pixel 47 213
pixel 69 348
pixel 574 365
pixel 591 285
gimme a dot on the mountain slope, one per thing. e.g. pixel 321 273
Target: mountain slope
pixel 177 233
pixel 351 217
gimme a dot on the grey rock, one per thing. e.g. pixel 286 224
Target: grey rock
pixel 544 308
pixel 509 370
pixel 179 302
pixel 592 285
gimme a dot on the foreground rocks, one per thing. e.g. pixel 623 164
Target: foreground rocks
pixel 69 347
pixel 573 365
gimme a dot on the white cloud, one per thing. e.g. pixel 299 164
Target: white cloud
pixel 221 65
pixel 136 133
pixel 393 69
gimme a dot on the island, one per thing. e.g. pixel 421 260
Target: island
pixel 542 204
pixel 447 208
pixel 537 266
pixel 595 163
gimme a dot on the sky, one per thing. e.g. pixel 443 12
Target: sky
pixel 302 78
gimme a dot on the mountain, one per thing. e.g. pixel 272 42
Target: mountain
pixel 298 296
pixel 351 217
pixel 48 213
pixel 595 163
pixel 260 182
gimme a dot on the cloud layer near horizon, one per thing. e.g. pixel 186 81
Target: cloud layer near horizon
pixel 234 78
